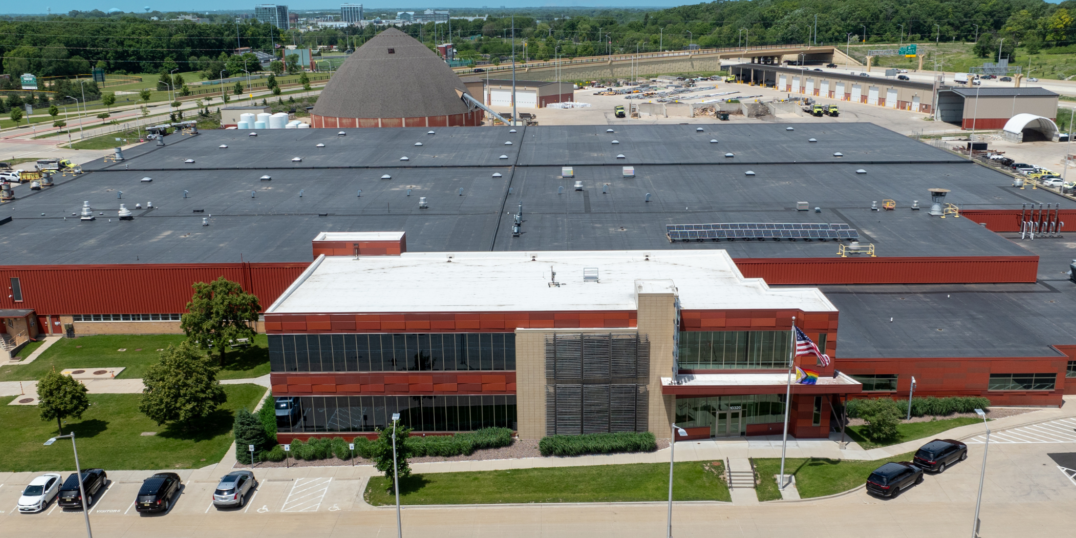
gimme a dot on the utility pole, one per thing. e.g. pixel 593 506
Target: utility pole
pixel 1002 42
pixel 513 70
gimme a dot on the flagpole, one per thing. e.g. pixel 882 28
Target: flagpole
pixel 788 401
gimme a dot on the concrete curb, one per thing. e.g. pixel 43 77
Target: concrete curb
pixel 518 505
pixel 834 496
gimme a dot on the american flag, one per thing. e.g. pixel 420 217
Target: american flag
pixel 804 346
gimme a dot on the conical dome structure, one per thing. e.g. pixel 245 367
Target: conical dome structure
pixel 394 81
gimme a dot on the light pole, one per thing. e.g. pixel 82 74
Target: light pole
pixel 672 458
pixel 1000 43
pixel 848 44
pixel 514 69
pixel 173 85
pixel 661 39
pixel 396 474
pixel 982 475
pixel 901 36
pixel 79 116
pixel 222 85
pixel 976 33
pixel 81 488
pixel 788 400
pixel 690 37
pixel 67 120
pixel 937 36
pixel 912 390
pixel 864 33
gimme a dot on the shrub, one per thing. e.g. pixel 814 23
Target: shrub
pixel 927 406
pixel 340 449
pixel 364 447
pixel 320 448
pixel 298 449
pixel 267 416
pixel 489 438
pixel 597 443
pixel 274 454
pixel 882 417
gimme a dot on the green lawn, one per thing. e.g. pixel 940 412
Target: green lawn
pixel 110 436
pixel 29 348
pixel 103 352
pixel 912 430
pixel 816 477
pixel 599 483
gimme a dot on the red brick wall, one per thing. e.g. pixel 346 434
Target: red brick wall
pixel 393 383
pixel 366 248
pixel 903 270
pixel 446 322
pixel 962 376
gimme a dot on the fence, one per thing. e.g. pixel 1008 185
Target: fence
pixel 253 86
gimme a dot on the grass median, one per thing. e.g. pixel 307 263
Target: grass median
pixel 910 431
pixel 694 481
pixel 103 351
pixel 816 477
pixel 110 436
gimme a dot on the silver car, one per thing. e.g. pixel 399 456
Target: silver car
pixel 233 489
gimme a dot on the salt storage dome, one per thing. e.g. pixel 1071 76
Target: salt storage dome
pixel 394 81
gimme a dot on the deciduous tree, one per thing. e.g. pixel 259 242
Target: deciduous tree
pixel 181 388
pixel 218 314
pixel 382 453
pixel 60 397
pixel 108 99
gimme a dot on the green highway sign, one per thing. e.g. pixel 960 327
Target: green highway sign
pixel 28 81
pixel 908 50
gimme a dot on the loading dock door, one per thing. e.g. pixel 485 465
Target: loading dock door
pixel 891 98
pixel 840 91
pixel 500 97
pixel 825 89
pixel 915 103
pixel 810 86
pixel 795 84
pixel 782 83
pixel 526 99
pixel 857 93
pixel 872 95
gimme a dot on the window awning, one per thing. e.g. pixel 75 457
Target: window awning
pixel 754 383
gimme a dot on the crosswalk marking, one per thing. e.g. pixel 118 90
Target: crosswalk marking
pixel 1055 431
pixel 1069 473
pixel 306 495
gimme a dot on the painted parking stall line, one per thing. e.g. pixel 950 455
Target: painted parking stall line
pixel 306 495
pixel 1054 431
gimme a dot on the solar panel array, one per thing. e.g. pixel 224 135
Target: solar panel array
pixel 761 231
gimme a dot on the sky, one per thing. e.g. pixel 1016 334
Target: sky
pixel 63 6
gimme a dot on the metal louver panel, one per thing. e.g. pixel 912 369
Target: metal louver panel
pixel 595 408
pixel 569 408
pixel 550 359
pixel 643 359
pixel 622 408
pixel 550 410
pixel 642 405
pixel 623 360
pixel 569 361
pixel 597 351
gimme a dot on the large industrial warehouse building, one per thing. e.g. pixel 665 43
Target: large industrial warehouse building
pixel 568 279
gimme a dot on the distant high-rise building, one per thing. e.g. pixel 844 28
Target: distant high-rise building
pixel 273 14
pixel 351 13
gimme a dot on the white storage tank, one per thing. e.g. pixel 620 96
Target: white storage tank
pixel 264 116
pixel 247 117
pixel 289 126
pixel 303 126
pixel 259 125
pixel 244 124
pixel 278 120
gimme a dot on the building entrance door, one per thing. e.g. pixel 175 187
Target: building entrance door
pixel 727 423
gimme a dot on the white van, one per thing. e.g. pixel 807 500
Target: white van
pixel 961 78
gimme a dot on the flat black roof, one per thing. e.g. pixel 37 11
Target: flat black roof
pixel 810 71
pixel 1003 92
pixel 689 179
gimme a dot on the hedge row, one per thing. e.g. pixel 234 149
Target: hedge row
pixel 597 443
pixel 320 448
pixel 929 406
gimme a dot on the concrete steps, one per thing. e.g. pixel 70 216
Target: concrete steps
pixel 741 474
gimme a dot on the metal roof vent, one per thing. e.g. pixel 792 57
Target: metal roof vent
pixel 189 161
pixel 266 177
pixel 252 194
pixel 223 146
pixel 251 134
pixel 616 141
pixel 789 129
pixel 698 129
pixel 359 194
pixel 647 199
pixel 590 274
pixel 713 140
pixel 320 145
pixel 146 179
pixel 508 143
pixel 560 189
pixel 812 140
pixel 297 159
pixel 729 155
pixel 341 133
pixel 497 174
pixel 418 143
pixel 620 156
pixel 460 191
pixel 205 221
pixel 301 191
pixel 511 130
pixel 503 157
pixel 409 192
pixel 578 185
pixel 838 154
pixel 749 173
pixel 567 171
pixel 861 171
pixel 87 213
pixel 609 130
pixel 404 158
pixel 430 132
pixel 422 203
pixel 386 176
pixel 125 214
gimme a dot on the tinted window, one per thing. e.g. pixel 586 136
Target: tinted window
pixel 224 492
pixel 33 491
pixel 878 479
pixel 151 486
pixel 925 454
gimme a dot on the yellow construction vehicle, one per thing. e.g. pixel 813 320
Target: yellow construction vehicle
pixel 817 110
pixel 730 79
pixel 832 111
pixel 618 111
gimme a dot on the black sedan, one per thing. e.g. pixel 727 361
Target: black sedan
pixel 892 478
pixel 940 453
pixel 158 492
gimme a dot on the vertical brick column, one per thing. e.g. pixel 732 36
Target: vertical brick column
pixel 656 302
pixel 530 383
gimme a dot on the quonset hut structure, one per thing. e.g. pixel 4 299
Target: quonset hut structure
pixel 394 81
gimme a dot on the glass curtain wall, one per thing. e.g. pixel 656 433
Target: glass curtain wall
pixel 755 409
pixel 435 352
pixel 730 350
pixel 324 414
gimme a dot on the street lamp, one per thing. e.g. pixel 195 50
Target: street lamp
pixel 912 390
pixel 173 85
pixel 982 475
pixel 81 488
pixel 672 458
pixel 901 36
pixel 690 36
pixel 222 85
pixel 79 115
pixel 396 473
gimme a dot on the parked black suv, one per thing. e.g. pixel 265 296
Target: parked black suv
pixel 939 453
pixel 158 492
pixel 93 481
pixel 892 478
